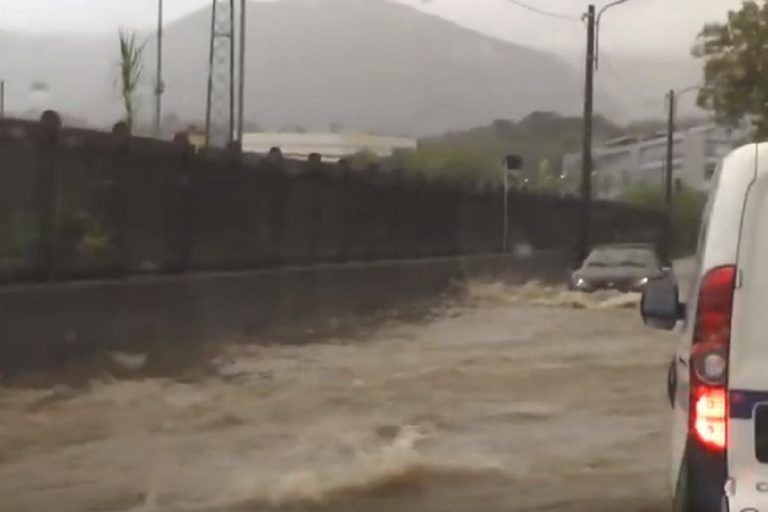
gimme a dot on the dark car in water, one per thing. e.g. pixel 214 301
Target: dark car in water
pixel 622 267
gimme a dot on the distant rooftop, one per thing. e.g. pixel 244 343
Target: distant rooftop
pixel 621 141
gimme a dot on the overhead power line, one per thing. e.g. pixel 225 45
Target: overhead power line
pixel 543 12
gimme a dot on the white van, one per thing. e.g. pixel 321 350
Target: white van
pixel 718 381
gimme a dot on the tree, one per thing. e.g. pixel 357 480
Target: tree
pixel 131 56
pixel 446 162
pixel 362 159
pixel 687 208
pixel 547 178
pixel 736 66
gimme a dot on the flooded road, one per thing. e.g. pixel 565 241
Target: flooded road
pixel 514 399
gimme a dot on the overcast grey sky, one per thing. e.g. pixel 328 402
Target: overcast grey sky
pixel 643 25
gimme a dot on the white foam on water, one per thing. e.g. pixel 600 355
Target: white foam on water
pixel 538 294
pixel 382 468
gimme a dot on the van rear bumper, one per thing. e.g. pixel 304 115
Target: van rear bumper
pixel 746 494
pixel 745 503
pixel 707 473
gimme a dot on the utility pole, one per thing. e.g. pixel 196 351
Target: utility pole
pixel 505 221
pixel 593 24
pixel 670 150
pixel 232 98
pixel 241 92
pixel 586 155
pixel 2 98
pixel 220 101
pixel 667 236
pixel 673 97
pixel 159 86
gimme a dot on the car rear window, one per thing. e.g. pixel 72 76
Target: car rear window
pixel 622 257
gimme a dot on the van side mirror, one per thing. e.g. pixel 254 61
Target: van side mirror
pixel 661 307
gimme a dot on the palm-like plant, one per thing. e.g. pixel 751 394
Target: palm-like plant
pixel 131 55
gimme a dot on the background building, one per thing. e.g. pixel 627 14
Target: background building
pixel 331 146
pixel 627 161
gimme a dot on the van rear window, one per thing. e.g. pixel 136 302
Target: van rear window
pixel 761 434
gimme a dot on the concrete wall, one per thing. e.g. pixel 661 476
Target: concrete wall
pixel 119 232
pixel 49 326
pixel 78 204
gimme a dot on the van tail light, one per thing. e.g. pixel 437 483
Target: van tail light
pixel 710 418
pixel 709 358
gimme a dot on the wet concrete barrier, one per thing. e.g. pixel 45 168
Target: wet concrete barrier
pixel 44 326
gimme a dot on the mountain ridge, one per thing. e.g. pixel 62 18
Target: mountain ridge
pixel 366 65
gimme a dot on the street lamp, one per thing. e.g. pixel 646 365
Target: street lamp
pixel 593 21
pixel 597 27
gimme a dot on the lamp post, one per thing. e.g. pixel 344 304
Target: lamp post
pixel 593 24
pixel 597 27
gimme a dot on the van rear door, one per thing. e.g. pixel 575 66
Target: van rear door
pixel 747 434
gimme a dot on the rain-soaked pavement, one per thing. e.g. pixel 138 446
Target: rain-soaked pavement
pixel 514 399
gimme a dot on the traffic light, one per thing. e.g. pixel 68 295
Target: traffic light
pixel 513 162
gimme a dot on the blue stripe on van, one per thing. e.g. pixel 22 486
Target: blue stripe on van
pixel 743 403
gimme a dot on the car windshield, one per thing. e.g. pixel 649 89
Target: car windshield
pixel 622 257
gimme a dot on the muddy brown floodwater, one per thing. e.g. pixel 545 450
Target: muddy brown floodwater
pixel 516 399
